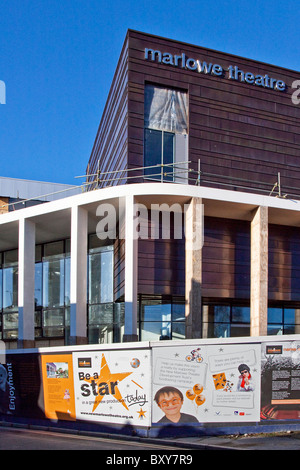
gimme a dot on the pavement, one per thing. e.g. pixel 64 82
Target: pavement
pixel 276 441
pixel 273 441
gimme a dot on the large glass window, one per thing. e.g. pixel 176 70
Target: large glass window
pixel 101 275
pixel 165 118
pixel 234 320
pixel 102 312
pixel 52 290
pixel 161 318
pixel 223 321
pixel 53 322
pixel 10 280
pixel 9 295
pixel 283 320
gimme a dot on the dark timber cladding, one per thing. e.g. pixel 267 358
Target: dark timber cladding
pixel 236 129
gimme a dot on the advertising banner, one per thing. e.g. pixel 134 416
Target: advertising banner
pixel 218 383
pixel 58 384
pixel 113 386
pixel 280 380
pixel 160 384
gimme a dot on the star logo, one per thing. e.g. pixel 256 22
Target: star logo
pixel 141 413
pixel 107 384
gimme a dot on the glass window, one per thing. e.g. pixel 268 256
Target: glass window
pixel 290 329
pixel 159 149
pixel 67 280
pixel 119 321
pixel 53 249
pixel 101 277
pixel 38 318
pixel 155 312
pixel 221 313
pixel 241 314
pixel 10 321
pixel 292 316
pixel 101 313
pixel 53 283
pixel 275 315
pixel 166 116
pixel 10 288
pixel 38 253
pixel 216 313
pixel 216 330
pixel 10 258
pixel 153 152
pixel 178 330
pixel 178 312
pixel 166 109
pixel 100 334
pixel 54 317
pixel 239 330
pixel 275 329
pixel 10 334
pixel 38 285
pixel 168 150
pixel 161 318
pixel 223 321
pixel 53 322
pixel 152 331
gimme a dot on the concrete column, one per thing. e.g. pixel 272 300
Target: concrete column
pixel 193 268
pixel 78 284
pixel 131 269
pixel 26 271
pixel 259 272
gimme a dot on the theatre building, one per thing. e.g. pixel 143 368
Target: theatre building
pixel 189 222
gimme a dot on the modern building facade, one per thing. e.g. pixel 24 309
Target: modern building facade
pixel 190 225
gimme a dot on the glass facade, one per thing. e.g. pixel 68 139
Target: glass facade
pixel 105 317
pixel 220 320
pixel 224 321
pixel 159 317
pixel 283 320
pixel 52 290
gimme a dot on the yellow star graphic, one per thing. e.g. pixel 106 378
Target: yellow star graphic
pixel 142 413
pixel 107 384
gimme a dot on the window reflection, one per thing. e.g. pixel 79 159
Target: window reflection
pixel 234 320
pixel 161 317
pixel 101 276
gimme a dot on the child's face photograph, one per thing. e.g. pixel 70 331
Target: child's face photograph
pixel 170 403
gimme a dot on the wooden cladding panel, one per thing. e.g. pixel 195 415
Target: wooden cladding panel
pixel 161 267
pixel 226 258
pixel 284 263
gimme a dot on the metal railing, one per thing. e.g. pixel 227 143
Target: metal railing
pixel 178 172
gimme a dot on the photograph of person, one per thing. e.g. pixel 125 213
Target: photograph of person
pixel 245 383
pixel 170 401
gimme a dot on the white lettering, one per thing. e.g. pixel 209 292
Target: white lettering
pixel 118 460
pixel 296 94
pixel 234 73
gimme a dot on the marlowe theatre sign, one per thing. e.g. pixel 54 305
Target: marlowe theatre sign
pixel 233 72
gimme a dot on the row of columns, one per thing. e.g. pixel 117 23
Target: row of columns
pixel 78 281
pixel 193 281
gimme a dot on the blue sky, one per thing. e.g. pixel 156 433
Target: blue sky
pixel 57 59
